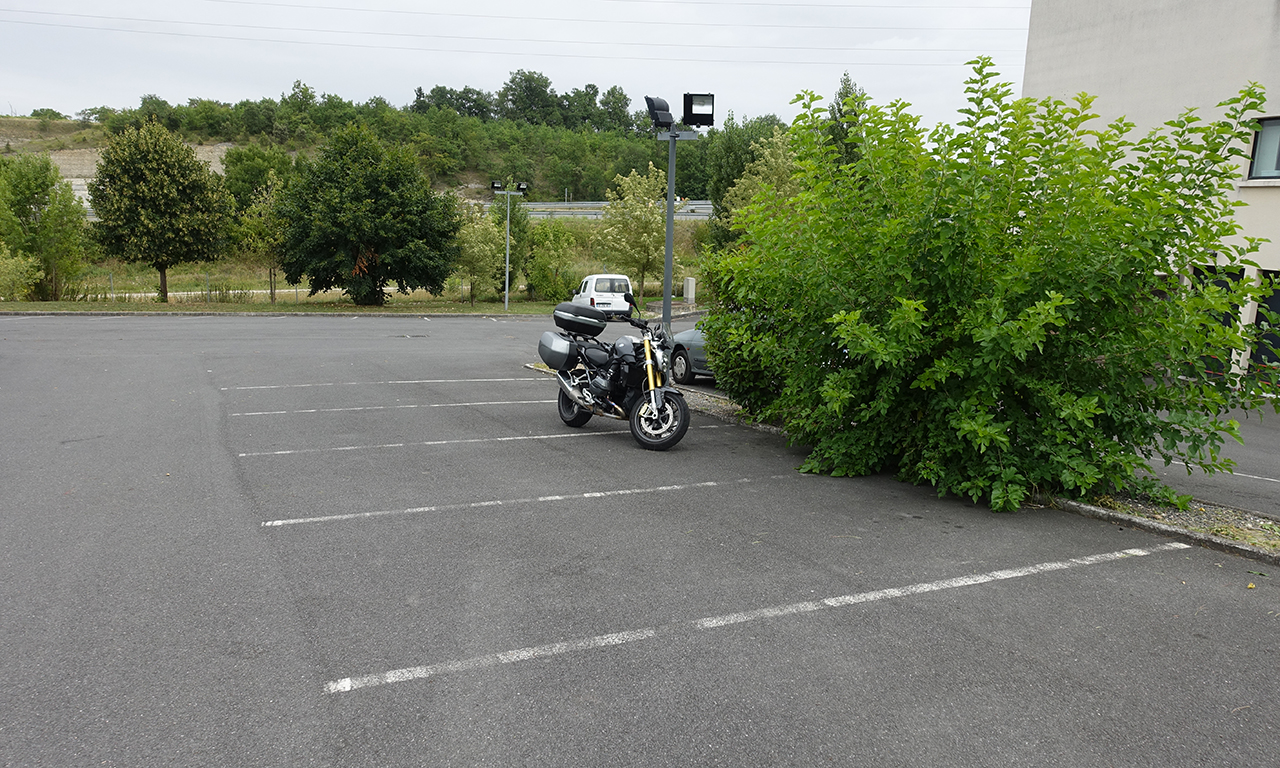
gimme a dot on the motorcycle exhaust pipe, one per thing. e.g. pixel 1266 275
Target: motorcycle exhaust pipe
pixel 586 401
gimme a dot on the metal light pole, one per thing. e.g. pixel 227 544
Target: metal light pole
pixel 699 110
pixel 497 187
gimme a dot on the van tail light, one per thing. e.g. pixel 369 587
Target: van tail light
pixel 593 301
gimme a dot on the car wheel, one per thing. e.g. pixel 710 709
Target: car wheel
pixel 681 368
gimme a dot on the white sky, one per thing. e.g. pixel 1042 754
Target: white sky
pixel 754 56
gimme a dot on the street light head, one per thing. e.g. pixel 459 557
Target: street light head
pixel 522 186
pixel 496 186
pixel 699 109
pixel 659 112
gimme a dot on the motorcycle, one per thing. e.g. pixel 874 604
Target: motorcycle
pixel 626 380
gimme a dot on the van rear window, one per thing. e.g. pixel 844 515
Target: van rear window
pixel 612 285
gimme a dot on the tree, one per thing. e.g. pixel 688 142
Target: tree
pixel 728 152
pixel 41 218
pixel 635 224
pixel 247 171
pixel 842 118
pixel 615 111
pixel 551 267
pixel 519 232
pixel 768 179
pixel 258 232
pixel 528 97
pixel 362 216
pixel 157 203
pixel 481 248
pixel 1022 301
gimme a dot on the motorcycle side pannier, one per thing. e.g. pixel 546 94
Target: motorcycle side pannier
pixel 557 352
pixel 576 318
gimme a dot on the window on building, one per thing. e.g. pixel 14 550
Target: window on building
pixel 1266 150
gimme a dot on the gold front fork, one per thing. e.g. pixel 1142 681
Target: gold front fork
pixel 651 370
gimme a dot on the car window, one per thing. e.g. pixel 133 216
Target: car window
pixel 612 285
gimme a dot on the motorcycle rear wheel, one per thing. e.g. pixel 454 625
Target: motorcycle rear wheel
pixel 570 412
pixel 659 431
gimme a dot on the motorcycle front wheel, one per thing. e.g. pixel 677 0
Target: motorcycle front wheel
pixel 663 429
pixel 570 412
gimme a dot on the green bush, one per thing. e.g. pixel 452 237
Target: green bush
pixel 18 274
pixel 1018 302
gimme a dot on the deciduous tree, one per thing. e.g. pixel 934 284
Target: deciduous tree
pixel 362 216
pixel 481 248
pixel 41 218
pixel 157 203
pixel 635 223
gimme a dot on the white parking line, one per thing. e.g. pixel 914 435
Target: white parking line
pixel 505 502
pixel 621 638
pixel 466 441
pixel 374 383
pixel 392 407
pixel 1238 474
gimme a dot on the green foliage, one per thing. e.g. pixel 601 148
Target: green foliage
pixel 361 216
pixel 259 233
pixel 18 274
pixel 635 224
pixel 771 174
pixel 552 274
pixel 482 248
pixel 1017 302
pixel 519 232
pixel 246 171
pixel 728 151
pixel 157 203
pixel 41 218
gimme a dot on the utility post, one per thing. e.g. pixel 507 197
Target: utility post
pixel 699 110
pixel 520 189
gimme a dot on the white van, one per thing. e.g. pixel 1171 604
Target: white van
pixel 604 292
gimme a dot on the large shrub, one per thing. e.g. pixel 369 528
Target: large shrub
pixel 1026 300
pixel 362 216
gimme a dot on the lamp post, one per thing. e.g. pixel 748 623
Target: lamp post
pixel 699 110
pixel 520 189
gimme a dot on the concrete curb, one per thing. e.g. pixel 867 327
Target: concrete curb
pixel 1206 540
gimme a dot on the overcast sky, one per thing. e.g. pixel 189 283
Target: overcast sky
pixel 755 57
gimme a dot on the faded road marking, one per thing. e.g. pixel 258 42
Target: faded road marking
pixel 393 407
pixel 620 638
pixel 376 383
pixel 505 502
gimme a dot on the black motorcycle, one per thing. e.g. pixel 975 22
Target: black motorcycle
pixel 626 381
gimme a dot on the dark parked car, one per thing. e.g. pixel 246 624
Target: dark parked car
pixel 689 359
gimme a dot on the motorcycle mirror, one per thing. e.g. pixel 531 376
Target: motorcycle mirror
pixel 630 299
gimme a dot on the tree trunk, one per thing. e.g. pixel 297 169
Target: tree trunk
pixel 164 286
pixel 271 281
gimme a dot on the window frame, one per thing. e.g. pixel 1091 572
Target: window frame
pixel 1267 125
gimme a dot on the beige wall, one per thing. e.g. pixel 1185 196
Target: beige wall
pixel 1148 60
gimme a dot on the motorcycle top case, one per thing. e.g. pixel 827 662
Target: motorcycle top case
pixel 577 318
pixel 557 351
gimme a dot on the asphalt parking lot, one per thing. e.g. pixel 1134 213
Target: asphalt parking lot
pixel 370 541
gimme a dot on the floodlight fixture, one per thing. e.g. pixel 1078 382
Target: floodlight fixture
pixel 659 112
pixel 522 187
pixel 496 186
pixel 699 109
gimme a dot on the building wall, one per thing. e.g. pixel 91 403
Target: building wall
pixel 1148 60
